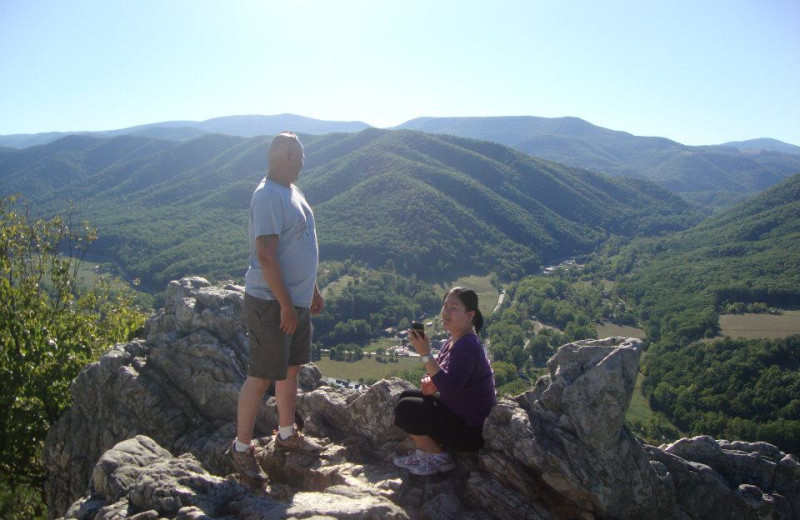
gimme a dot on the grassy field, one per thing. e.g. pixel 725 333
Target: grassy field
pixel 383 343
pixel 582 284
pixel 89 273
pixel 366 368
pixel 538 326
pixel 487 295
pixel 639 409
pixel 608 285
pixel 336 286
pixel 753 326
pixel 606 330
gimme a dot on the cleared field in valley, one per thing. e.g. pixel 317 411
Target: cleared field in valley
pixel 365 368
pixel 753 326
pixel 334 288
pixel 610 329
pixel 538 326
pixel 487 295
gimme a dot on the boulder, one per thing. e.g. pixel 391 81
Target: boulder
pixel 137 479
pixel 566 442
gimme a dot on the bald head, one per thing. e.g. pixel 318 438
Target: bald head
pixel 285 158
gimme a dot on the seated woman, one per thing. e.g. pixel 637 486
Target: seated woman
pixel 453 418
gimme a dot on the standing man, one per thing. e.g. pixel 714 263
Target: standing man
pixel 280 293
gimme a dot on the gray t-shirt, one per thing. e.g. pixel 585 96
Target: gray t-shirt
pixel 278 210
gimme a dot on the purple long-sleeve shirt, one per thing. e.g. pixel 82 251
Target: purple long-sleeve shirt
pixel 465 381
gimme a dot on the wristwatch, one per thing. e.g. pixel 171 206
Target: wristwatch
pixel 426 358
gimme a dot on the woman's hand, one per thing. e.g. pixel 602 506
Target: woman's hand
pixel 427 386
pixel 420 342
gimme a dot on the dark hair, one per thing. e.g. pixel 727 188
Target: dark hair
pixel 470 300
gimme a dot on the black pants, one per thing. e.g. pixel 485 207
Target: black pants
pixel 419 414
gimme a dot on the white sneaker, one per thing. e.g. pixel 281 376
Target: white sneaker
pixel 433 463
pixel 411 460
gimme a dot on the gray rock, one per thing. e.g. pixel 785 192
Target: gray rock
pixel 566 442
pixel 787 482
pixel 137 479
pixel 179 387
pixel 483 491
pixel 119 467
pixel 369 412
pixel 748 466
pixel 340 502
pixel 735 465
pixel 700 492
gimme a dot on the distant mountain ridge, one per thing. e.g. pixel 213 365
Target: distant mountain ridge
pixel 242 126
pixel 765 144
pixel 714 175
pixel 165 209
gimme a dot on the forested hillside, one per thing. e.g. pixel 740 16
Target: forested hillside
pixel 714 175
pixel 165 209
pixel 746 256
pixel 730 388
pixel 750 253
pixel 433 202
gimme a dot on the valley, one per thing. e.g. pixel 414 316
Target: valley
pixel 402 215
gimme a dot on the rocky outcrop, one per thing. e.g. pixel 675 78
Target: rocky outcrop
pixel 721 479
pixel 567 440
pixel 139 479
pixel 179 387
pixel 146 435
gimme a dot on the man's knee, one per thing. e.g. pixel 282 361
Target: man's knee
pixel 255 385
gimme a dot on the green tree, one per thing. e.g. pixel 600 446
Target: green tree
pixel 504 372
pixel 48 333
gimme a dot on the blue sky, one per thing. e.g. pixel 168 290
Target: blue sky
pixel 699 72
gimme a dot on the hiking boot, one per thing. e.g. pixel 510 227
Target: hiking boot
pixel 246 465
pixel 411 460
pixel 433 463
pixel 297 442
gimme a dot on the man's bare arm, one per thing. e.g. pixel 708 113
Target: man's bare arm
pixel 267 254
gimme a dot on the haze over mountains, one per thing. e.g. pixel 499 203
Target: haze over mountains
pixel 164 208
pixel 770 145
pixel 711 175
pixel 242 126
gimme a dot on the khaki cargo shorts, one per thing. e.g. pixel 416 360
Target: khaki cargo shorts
pixel 271 351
